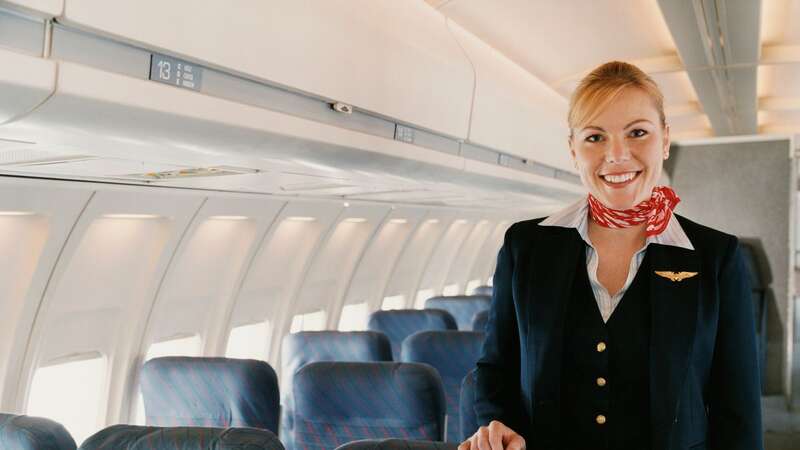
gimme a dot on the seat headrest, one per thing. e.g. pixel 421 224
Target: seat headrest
pixel 398 324
pixel 482 290
pixel 461 307
pixel 19 432
pixel 397 444
pixel 358 398
pixel 452 353
pixel 130 437
pixel 479 320
pixel 210 392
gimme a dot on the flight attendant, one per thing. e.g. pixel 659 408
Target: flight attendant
pixel 616 324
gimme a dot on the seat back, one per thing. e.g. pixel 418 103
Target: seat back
pixel 398 324
pixel 299 349
pixel 483 290
pixel 210 392
pixel 453 354
pixel 479 320
pixel 397 444
pixel 340 402
pixel 461 307
pixel 33 433
pixel 469 420
pixel 130 437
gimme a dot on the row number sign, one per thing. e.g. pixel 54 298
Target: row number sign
pixel 175 72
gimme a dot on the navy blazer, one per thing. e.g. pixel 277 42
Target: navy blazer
pixel 704 380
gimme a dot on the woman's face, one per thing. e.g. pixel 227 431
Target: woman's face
pixel 620 153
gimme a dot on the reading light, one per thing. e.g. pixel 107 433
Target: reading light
pixel 301 219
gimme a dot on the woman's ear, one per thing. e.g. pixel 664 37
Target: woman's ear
pixel 572 153
pixel 666 141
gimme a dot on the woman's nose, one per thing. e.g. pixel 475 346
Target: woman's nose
pixel 617 152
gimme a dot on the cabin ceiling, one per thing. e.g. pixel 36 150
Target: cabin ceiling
pixel 742 57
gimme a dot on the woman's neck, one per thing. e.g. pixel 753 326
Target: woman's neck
pixel 633 236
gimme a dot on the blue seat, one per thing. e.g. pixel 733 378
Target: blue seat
pixel 483 290
pixel 210 392
pixel 479 320
pixel 453 354
pixel 398 324
pixel 461 307
pixel 397 444
pixel 33 433
pixel 340 402
pixel 299 349
pixel 469 420
pixel 130 437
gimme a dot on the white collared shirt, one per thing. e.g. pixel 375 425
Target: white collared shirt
pixel 577 216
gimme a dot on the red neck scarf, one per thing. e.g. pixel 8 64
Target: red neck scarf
pixel 656 212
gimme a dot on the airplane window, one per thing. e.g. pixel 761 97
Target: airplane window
pixel 354 317
pixel 249 341
pixel 489 281
pixel 422 296
pixel 71 394
pixel 394 302
pixel 472 284
pixel 314 321
pixel 450 289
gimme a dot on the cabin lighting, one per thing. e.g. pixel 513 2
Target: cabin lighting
pixel 355 220
pixel 17 213
pixel 301 219
pixel 131 216
pixel 432 221
pixel 461 221
pixel 228 217
pixel 398 221
pixel 346 205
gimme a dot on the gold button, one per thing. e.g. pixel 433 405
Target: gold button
pixel 601 419
pixel 601 381
pixel 601 347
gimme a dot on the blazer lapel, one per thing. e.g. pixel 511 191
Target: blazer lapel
pixel 673 321
pixel 551 279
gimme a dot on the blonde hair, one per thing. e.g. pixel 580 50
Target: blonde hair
pixel 604 84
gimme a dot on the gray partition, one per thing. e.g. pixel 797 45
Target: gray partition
pixel 748 188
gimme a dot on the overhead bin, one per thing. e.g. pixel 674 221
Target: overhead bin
pixel 392 58
pixel 514 111
pixel 25 82
pixel 41 8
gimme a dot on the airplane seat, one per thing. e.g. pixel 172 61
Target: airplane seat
pixel 461 307
pixel 210 392
pixel 483 290
pixel 469 420
pixel 19 432
pixel 397 444
pixel 299 349
pixel 340 402
pixel 479 320
pixel 398 324
pixel 453 354
pixel 132 437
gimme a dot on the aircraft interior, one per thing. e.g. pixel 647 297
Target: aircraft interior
pixel 274 224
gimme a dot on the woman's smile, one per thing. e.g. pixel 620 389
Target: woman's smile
pixel 619 180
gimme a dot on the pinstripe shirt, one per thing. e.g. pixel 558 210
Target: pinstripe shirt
pixel 577 216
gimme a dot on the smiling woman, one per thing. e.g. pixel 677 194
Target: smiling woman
pixel 627 351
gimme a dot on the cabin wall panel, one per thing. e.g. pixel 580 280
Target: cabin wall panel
pixel 105 280
pixel 372 274
pixel 25 82
pixel 42 8
pixel 483 267
pixel 467 255
pixel 414 258
pixel 329 48
pixel 30 245
pixel 444 254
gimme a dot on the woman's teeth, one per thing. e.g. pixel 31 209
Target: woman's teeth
pixel 619 178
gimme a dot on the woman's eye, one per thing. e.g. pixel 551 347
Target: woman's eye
pixel 638 132
pixel 593 138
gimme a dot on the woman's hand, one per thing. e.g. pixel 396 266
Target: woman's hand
pixel 494 437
